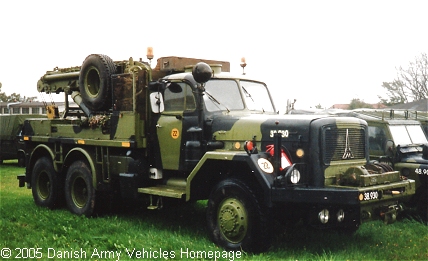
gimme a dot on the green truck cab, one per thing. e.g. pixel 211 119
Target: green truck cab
pixel 189 130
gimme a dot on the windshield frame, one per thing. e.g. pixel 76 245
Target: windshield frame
pixel 252 97
pixel 215 100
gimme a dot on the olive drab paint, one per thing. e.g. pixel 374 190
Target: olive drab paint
pixel 188 131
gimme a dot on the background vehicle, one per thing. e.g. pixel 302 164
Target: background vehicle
pixel 11 147
pixel 189 131
pixel 397 138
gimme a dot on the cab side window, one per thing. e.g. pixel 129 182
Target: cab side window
pixel 377 138
pixel 179 97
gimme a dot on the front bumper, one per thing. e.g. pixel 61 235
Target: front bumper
pixel 358 204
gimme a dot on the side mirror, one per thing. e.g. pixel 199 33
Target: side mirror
pixel 156 102
pixel 156 86
pixel 389 148
pixel 175 87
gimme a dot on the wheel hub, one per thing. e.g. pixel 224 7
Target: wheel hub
pixel 232 220
pixel 43 186
pixel 79 193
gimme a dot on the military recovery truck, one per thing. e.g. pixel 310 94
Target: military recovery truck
pixel 189 130
pixel 396 138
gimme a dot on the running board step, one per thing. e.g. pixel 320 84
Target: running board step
pixel 164 191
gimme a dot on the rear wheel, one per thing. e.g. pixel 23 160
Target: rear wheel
pixel 79 192
pixel 45 183
pixel 236 219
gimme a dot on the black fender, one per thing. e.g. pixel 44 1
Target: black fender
pixel 215 166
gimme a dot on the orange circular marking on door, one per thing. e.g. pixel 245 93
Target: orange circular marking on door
pixel 175 133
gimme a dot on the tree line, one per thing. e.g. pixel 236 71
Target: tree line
pixel 410 83
pixel 15 97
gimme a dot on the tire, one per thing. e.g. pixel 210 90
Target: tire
pixel 79 191
pixel 95 81
pixel 233 200
pixel 45 184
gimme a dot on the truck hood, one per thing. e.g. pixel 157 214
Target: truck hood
pixel 414 158
pixel 413 154
pixel 257 126
pixel 261 127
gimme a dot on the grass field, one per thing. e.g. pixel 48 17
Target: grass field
pixel 177 233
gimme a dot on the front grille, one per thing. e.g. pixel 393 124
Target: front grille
pixel 343 144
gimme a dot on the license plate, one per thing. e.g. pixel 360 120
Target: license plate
pixel 369 195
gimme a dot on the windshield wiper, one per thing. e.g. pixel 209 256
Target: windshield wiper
pixel 213 99
pixel 251 97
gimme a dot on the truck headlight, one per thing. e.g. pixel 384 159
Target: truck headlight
pixel 323 216
pixel 340 215
pixel 292 174
pixel 295 176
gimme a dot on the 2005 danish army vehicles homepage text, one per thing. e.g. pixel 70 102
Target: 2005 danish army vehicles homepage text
pixel 188 130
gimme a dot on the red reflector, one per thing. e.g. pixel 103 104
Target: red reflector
pixel 249 145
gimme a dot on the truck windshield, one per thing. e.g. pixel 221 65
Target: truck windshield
pixel 225 95
pixel 222 95
pixel 408 134
pixel 256 96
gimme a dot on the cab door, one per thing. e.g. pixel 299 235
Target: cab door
pixel 178 101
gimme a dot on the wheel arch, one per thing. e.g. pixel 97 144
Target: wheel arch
pixel 80 154
pixel 213 169
pixel 38 152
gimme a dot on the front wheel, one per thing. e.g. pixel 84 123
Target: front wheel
pixel 236 218
pixel 79 191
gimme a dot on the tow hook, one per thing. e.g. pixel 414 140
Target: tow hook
pixel 389 214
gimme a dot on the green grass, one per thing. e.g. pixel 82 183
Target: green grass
pixel 25 226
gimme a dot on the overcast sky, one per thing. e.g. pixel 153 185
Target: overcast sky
pixel 318 52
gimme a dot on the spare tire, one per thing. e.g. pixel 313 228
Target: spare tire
pixel 95 81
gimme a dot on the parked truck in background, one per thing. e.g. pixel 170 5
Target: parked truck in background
pixel 189 130
pixel 396 138
pixel 11 145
